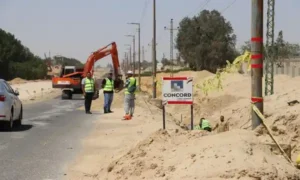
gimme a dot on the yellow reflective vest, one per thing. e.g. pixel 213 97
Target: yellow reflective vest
pixel 132 86
pixel 109 85
pixel 89 85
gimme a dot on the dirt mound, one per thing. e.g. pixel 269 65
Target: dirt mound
pixel 194 155
pixel 237 154
pixel 234 103
pixel 18 81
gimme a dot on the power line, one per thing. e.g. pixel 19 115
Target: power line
pixel 144 10
pixel 201 6
pixel 228 6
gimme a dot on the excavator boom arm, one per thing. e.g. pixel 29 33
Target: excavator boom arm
pixel 101 53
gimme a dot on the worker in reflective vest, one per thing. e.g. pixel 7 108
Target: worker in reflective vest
pixel 204 125
pixel 108 91
pixel 130 90
pixel 88 88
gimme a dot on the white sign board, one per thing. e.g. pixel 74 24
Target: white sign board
pixel 177 90
pixel 64 82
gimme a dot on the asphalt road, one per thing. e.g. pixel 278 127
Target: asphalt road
pixel 47 141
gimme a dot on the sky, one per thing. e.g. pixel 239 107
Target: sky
pixel 75 28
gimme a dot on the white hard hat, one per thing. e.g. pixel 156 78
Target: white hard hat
pixel 129 72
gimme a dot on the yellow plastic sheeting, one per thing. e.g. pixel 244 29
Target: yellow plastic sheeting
pixel 215 83
pixel 298 160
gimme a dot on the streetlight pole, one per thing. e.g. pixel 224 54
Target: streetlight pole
pixel 154 50
pixel 125 61
pixel 139 39
pixel 143 53
pixel 133 53
pixel 130 61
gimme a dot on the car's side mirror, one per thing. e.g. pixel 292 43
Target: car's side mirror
pixel 17 93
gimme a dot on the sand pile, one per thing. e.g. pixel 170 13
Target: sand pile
pixel 179 154
pixel 17 81
pixel 33 91
pixel 234 103
pixel 196 155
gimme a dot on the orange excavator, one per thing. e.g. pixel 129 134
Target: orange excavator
pixel 70 77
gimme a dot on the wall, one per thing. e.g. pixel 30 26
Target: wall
pixel 290 68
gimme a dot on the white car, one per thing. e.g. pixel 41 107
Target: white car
pixel 11 108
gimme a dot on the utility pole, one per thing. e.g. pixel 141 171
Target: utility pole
pixel 133 52
pixel 139 51
pixel 270 49
pixel 151 45
pixel 171 29
pixel 130 58
pixel 257 58
pixel 154 50
pixel 130 62
pixel 143 53
pixel 125 62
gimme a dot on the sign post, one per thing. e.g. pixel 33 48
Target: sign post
pixel 177 90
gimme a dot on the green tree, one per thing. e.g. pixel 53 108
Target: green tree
pixel 285 50
pixel 16 60
pixel 246 47
pixel 280 48
pixel 165 61
pixel 145 64
pixel 206 41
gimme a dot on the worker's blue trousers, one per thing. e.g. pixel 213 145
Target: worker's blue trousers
pixel 108 98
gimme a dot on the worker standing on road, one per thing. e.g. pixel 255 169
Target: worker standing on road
pixel 88 88
pixel 108 91
pixel 203 125
pixel 130 89
pixel 222 126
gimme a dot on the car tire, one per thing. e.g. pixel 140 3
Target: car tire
pixel 10 123
pixel 18 122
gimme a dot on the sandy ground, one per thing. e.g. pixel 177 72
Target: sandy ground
pixel 234 103
pixel 138 149
pixel 34 91
pixel 197 155
pixel 114 137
